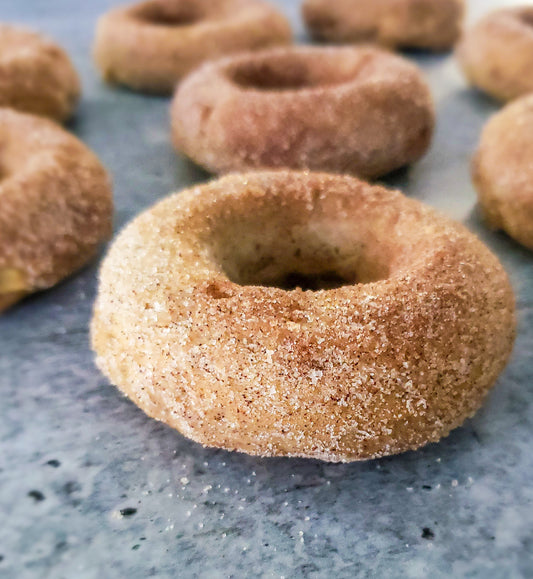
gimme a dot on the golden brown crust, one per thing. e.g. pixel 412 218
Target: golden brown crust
pixel 56 205
pixel 348 110
pixel 502 170
pixel 429 24
pixel 496 55
pixel 151 45
pixel 36 75
pixel 188 324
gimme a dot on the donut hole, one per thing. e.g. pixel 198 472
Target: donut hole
pixel 310 259
pixel 295 72
pixel 527 17
pixel 309 273
pixel 166 14
pixel 312 282
pixel 265 77
pixel 285 276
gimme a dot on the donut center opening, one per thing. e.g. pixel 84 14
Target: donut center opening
pixel 168 15
pixel 308 259
pixel 308 277
pixel 310 274
pixel 325 280
pixel 292 231
pixel 527 18
pixel 293 72
pixel 265 77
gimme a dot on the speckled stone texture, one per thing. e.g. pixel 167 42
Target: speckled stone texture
pixel 90 487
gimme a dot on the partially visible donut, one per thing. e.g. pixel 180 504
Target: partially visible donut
pixel 496 55
pixel 357 110
pixel 56 205
pixel 36 75
pixel 151 45
pixel 429 24
pixel 502 170
pixel 203 317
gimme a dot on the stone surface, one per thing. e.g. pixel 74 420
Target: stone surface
pixel 91 487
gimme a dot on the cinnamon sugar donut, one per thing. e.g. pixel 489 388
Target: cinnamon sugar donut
pixel 151 45
pixel 348 110
pixel 496 55
pixel 502 170
pixel 429 24
pixel 55 206
pixel 36 75
pixel 204 319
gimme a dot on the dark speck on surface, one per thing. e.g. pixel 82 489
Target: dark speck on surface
pixel 53 463
pixel 37 496
pixel 1 558
pixel 71 486
pixel 128 511
pixel 135 547
pixel 61 546
pixel 427 533
pixel 427 487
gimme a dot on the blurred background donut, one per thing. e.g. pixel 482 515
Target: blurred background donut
pixel 149 46
pixel 358 110
pixel 36 75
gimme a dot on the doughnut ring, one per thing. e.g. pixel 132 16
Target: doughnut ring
pixel 503 173
pixel 56 205
pixel 302 314
pixel 357 110
pixel 36 75
pixel 428 24
pixel 496 55
pixel 151 45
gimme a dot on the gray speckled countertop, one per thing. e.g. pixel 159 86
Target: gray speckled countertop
pixel 91 487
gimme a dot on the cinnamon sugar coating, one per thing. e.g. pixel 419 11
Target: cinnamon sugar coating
pixel 151 45
pixel 496 55
pixel 429 24
pixel 190 322
pixel 502 170
pixel 55 205
pixel 348 110
pixel 36 75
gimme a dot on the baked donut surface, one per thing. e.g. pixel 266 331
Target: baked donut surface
pixel 151 45
pixel 203 320
pixel 56 205
pixel 502 170
pixel 36 75
pixel 496 55
pixel 428 24
pixel 357 110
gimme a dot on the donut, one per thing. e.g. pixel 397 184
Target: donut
pixel 339 109
pixel 427 24
pixel 287 313
pixel 496 55
pixel 502 170
pixel 56 205
pixel 36 75
pixel 151 45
